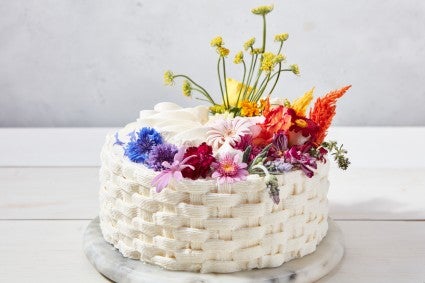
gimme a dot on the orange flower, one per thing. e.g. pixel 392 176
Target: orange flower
pixel 249 109
pixel 276 119
pixel 323 112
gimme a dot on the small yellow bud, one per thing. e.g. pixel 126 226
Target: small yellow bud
pixel 295 69
pixel 249 43
pixel 257 51
pixel 281 37
pixel 217 41
pixel 187 88
pixel 168 78
pixel 279 58
pixel 238 58
pixel 262 10
pixel 217 109
pixel 223 51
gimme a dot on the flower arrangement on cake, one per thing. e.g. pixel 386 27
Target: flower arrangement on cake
pixel 248 131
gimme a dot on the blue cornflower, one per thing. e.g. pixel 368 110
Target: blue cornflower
pixel 160 153
pixel 139 146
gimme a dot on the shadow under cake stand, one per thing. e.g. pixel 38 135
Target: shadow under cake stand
pixel 109 262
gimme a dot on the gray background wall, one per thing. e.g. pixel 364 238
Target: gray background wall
pixel 97 63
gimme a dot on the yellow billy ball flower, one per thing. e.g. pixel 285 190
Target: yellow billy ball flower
pixel 223 51
pixel 268 62
pixel 257 51
pixel 281 37
pixel 217 109
pixel 168 78
pixel 249 43
pixel 187 88
pixel 295 69
pixel 238 58
pixel 279 58
pixel 217 41
pixel 262 10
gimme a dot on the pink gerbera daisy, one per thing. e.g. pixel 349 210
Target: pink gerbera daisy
pixel 228 130
pixel 229 169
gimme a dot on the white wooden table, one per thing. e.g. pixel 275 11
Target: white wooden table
pixel 49 185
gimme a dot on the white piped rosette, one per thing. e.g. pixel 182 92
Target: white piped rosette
pixel 203 225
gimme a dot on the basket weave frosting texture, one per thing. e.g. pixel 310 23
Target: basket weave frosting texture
pixel 205 227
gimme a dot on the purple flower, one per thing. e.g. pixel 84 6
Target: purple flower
pixel 159 154
pixel 172 171
pixel 299 156
pixel 279 145
pixel 138 148
pixel 278 165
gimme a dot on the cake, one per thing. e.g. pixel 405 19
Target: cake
pixel 238 185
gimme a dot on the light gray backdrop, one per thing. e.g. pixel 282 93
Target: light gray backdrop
pixel 97 63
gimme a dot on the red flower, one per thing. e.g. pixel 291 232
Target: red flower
pixel 201 161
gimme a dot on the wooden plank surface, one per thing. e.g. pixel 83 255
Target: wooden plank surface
pixel 51 251
pixel 72 193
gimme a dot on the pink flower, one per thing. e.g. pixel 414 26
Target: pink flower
pixel 229 169
pixel 228 130
pixel 172 171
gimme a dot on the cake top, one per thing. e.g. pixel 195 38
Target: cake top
pixel 247 132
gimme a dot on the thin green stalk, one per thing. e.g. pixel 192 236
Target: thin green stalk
pixel 249 74
pixel 243 80
pixel 219 80
pixel 277 78
pixel 280 47
pixel 207 95
pixel 280 71
pixel 225 82
pixel 264 33
pixel 252 94
pixel 252 74
pixel 262 87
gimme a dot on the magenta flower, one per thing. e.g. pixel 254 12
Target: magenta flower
pixel 229 169
pixel 172 171
pixel 300 157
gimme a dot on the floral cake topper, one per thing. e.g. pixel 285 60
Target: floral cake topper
pixel 251 133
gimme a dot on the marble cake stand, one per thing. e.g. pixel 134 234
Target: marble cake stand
pixel 108 261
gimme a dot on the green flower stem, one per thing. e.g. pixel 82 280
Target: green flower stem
pixel 280 47
pixel 262 87
pixel 277 78
pixel 280 71
pixel 243 80
pixel 225 82
pixel 204 92
pixel 264 33
pixel 219 80
pixel 249 73
pixel 252 94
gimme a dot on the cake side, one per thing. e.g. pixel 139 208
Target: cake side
pixel 209 227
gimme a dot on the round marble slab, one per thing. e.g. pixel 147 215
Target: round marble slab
pixel 109 261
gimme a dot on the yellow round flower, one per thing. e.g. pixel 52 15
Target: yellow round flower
pixel 257 51
pixel 168 78
pixel 187 88
pixel 217 41
pixel 281 37
pixel 238 58
pixel 268 62
pixel 249 43
pixel 217 109
pixel 295 69
pixel 223 51
pixel 279 58
pixel 262 10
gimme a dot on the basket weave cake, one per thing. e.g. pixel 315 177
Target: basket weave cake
pixel 202 226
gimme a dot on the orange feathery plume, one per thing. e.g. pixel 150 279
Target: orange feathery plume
pixel 323 112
